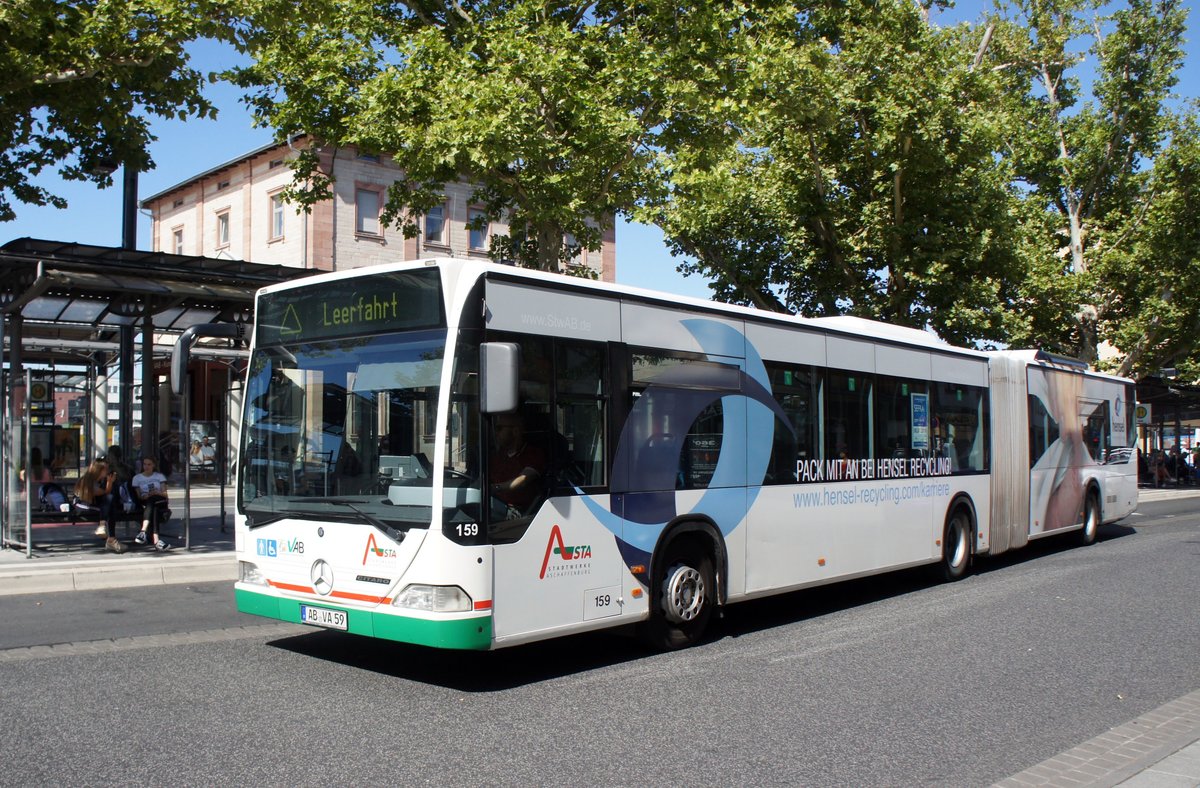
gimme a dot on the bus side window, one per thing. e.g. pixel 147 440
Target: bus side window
pixel 581 399
pixel 961 415
pixel 903 425
pixel 1043 429
pixel 848 430
pixel 1097 435
pixel 797 389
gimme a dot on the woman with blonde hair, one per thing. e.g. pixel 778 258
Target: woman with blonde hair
pixel 95 490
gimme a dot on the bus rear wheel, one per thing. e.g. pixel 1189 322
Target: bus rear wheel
pixel 1091 519
pixel 956 546
pixel 682 600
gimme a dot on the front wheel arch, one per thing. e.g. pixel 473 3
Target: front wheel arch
pixel 686 585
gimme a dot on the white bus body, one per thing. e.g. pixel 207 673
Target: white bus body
pixel 692 454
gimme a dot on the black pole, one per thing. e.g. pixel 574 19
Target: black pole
pixel 129 209
pixel 150 446
pixel 125 381
pixel 222 448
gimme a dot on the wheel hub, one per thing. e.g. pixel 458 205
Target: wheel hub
pixel 683 593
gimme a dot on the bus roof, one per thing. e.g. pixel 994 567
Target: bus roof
pixel 843 324
pixel 1043 358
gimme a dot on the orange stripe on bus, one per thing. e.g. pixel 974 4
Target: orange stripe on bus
pixel 357 597
pixel 485 604
pixel 290 587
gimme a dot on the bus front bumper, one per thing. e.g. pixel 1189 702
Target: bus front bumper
pixel 473 633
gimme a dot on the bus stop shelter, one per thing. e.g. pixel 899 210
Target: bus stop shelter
pixel 1173 413
pixel 78 323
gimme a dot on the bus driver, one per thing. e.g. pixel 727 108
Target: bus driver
pixel 515 466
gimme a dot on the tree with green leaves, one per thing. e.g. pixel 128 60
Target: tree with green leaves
pixel 557 113
pixel 79 81
pixel 863 180
pixel 1106 232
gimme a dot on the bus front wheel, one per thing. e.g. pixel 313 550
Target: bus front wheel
pixel 956 546
pixel 682 600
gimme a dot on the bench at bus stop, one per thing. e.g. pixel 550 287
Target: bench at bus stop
pixel 67 524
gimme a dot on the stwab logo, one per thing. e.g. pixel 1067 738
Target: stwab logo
pixel 573 559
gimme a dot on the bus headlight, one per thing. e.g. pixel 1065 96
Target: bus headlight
pixel 249 573
pixel 435 599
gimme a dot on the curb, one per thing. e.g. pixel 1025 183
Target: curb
pixel 121 573
pixel 1147 495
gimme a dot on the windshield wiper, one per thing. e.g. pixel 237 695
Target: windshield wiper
pixel 255 521
pixel 352 506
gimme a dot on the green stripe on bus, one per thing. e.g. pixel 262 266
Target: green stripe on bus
pixel 469 633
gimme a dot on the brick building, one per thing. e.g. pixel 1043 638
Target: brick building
pixel 236 211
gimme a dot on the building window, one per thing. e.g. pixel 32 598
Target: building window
pixel 177 240
pixel 275 163
pixel 222 185
pixel 435 225
pixel 366 212
pixel 276 217
pixel 223 229
pixel 177 204
pixel 477 227
pixel 574 248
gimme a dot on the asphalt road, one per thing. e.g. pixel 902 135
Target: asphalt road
pixel 892 681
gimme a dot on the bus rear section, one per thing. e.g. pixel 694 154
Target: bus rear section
pixel 1071 465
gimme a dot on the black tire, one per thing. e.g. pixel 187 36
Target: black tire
pixel 956 546
pixel 682 598
pixel 1091 519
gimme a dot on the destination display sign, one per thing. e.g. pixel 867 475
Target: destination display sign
pixel 383 303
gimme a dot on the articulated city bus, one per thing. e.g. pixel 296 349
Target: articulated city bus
pixel 467 455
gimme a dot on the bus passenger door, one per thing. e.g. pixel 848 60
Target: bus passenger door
pixel 563 573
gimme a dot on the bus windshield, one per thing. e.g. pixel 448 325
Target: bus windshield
pixel 343 430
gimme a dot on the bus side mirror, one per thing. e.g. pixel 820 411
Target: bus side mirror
pixel 499 365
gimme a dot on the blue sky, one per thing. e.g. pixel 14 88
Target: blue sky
pixel 185 148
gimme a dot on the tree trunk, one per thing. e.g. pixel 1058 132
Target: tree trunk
pixel 549 245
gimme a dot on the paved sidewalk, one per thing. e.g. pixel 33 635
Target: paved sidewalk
pixel 1160 749
pixel 69 557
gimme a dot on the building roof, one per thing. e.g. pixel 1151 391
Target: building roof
pixel 211 171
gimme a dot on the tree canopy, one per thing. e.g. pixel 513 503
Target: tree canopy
pixel 864 181
pixel 1107 235
pixel 79 81
pixel 1019 181
pixel 558 113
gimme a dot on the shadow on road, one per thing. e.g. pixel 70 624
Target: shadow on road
pixel 570 656
pixel 469 671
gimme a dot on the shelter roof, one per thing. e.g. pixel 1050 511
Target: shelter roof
pixel 74 294
pixel 1168 398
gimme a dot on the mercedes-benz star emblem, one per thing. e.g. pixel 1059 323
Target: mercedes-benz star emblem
pixel 322 577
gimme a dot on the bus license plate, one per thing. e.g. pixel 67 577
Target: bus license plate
pixel 323 617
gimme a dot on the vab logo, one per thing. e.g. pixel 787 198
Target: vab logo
pixel 379 552
pixel 566 553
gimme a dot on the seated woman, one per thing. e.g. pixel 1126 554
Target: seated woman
pixel 150 486
pixel 95 495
